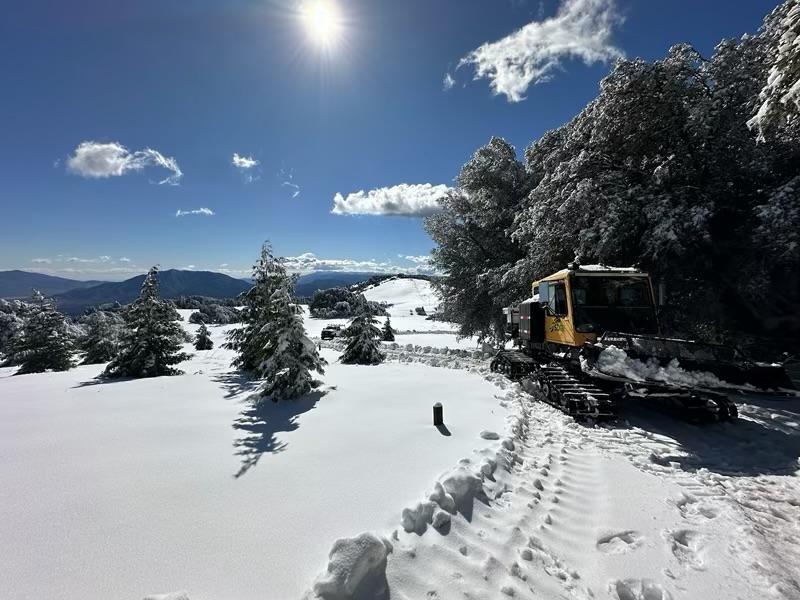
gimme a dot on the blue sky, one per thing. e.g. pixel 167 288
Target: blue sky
pixel 163 93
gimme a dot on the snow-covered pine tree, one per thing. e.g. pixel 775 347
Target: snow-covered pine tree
pixel 101 343
pixel 363 340
pixel 387 333
pixel 779 100
pixel 44 343
pixel 203 340
pixel 290 356
pixel 250 341
pixel 151 343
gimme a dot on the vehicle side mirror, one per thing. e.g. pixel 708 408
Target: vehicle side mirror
pixel 544 293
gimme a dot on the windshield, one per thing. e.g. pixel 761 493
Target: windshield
pixel 613 304
pixel 611 291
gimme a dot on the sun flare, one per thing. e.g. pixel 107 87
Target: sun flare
pixel 322 21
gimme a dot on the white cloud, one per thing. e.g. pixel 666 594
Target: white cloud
pixel 448 82
pixel 308 262
pixel 244 162
pixel 102 267
pixel 63 258
pixel 407 200
pixel 196 211
pixel 112 159
pixel 581 29
pixel 420 260
pixel 246 165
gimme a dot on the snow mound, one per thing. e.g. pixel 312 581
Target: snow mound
pixel 463 485
pixel 356 570
pixel 170 596
pixel 615 361
pixel 416 519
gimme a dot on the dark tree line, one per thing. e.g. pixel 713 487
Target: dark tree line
pixel 676 166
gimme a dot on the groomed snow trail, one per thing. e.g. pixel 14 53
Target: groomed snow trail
pixel 651 508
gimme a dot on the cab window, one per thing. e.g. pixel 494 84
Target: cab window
pixel 558 299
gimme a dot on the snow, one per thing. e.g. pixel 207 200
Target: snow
pixel 356 566
pixel 405 295
pixel 650 509
pixel 133 488
pixel 615 361
pixel 127 489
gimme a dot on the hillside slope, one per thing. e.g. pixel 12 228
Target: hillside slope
pixel 20 284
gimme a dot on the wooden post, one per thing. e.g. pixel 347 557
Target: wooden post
pixel 438 414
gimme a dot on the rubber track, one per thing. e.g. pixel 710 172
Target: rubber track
pixel 560 388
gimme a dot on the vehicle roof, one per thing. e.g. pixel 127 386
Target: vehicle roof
pixel 594 270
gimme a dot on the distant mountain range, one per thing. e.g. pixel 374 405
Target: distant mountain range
pixel 74 296
pixel 20 284
pixel 172 284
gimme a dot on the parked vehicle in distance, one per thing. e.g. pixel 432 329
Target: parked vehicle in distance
pixel 331 331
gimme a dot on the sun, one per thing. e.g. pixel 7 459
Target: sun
pixel 322 21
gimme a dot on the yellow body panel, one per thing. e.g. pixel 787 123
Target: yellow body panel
pixel 560 329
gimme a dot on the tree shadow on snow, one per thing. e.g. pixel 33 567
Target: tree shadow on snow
pixel 100 380
pixel 260 424
pixel 235 383
pixel 758 443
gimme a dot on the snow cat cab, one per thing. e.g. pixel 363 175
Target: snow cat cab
pixel 575 306
pixel 590 336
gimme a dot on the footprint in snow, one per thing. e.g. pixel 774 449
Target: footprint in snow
pixel 638 589
pixel 687 546
pixel 620 543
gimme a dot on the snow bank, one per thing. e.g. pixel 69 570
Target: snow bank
pixel 171 596
pixel 615 361
pixel 356 569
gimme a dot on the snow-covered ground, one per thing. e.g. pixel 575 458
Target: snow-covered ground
pixel 649 509
pixel 129 489
pixel 124 489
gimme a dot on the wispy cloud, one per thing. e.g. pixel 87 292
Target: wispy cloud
pixel 448 82
pixel 197 211
pixel 406 200
pixel 102 266
pixel 581 29
pixel 420 260
pixel 287 180
pixel 99 160
pixel 309 262
pixel 66 258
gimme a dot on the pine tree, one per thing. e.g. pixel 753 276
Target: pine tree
pixel 291 356
pixel 363 345
pixel 152 340
pixel 387 332
pixel 251 339
pixel 203 340
pixel 272 344
pixel 44 343
pixel 101 344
